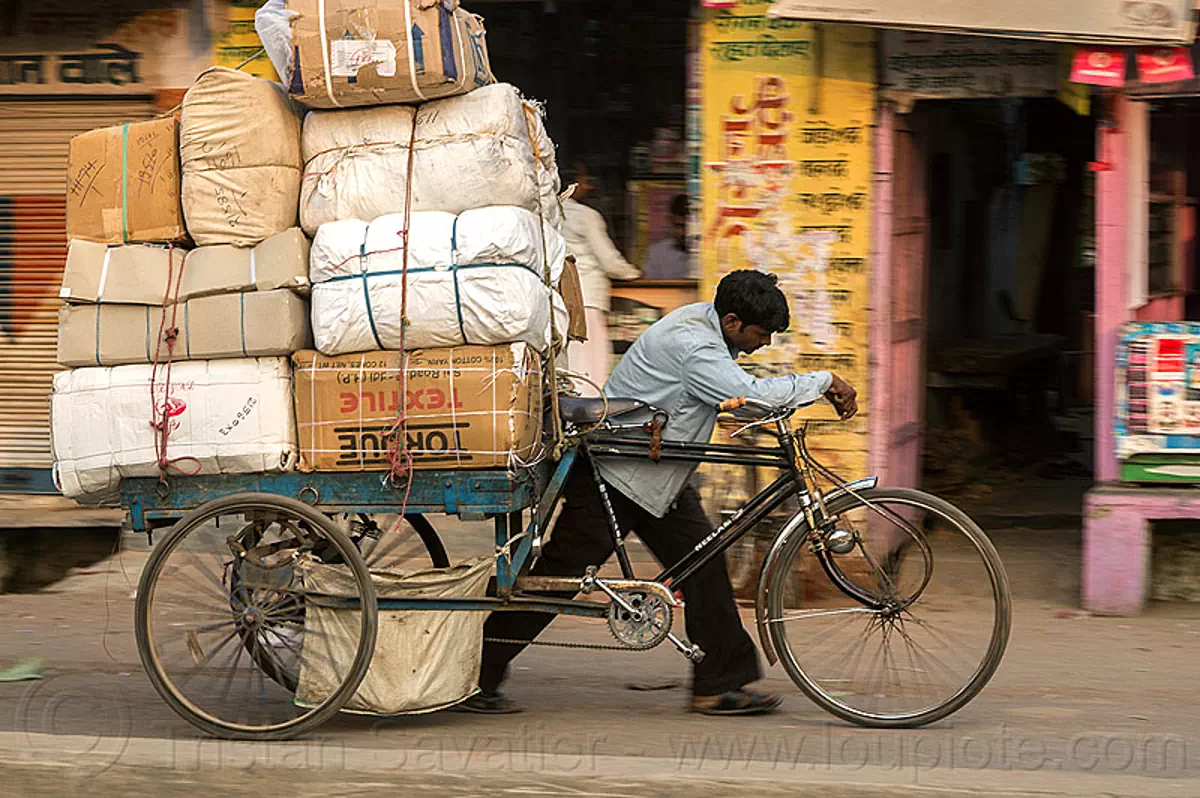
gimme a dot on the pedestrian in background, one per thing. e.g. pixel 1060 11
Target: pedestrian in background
pixel 668 259
pixel 598 261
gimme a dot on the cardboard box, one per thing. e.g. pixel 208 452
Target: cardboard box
pixel 467 407
pixel 254 324
pixel 385 51
pixel 123 184
pixel 279 262
pixel 135 274
pixel 148 274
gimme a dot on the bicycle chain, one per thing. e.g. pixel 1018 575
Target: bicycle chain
pixel 557 644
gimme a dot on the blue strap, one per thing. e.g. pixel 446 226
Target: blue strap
pixel 362 270
pixel 149 357
pixel 462 330
pixel 390 272
pixel 243 302
pixel 458 305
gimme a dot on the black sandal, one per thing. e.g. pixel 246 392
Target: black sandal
pixel 487 704
pixel 740 702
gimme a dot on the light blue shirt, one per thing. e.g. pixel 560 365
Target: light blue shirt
pixel 683 365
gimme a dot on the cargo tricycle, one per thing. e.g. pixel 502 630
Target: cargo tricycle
pixel 888 607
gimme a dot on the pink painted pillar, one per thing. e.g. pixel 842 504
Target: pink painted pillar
pixel 1116 550
pixel 1111 304
pixel 879 311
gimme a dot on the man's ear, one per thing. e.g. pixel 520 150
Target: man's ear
pixel 730 321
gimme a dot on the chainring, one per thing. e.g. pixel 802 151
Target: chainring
pixel 648 631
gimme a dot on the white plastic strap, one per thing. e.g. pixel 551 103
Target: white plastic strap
pixel 253 271
pixel 412 59
pixel 104 273
pixel 325 51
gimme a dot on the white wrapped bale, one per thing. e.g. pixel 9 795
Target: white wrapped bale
pixel 549 184
pixel 226 417
pixel 469 152
pixel 476 279
pixel 240 148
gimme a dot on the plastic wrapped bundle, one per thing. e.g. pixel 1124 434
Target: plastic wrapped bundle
pixel 468 152
pixel 476 278
pixel 240 147
pixel 226 417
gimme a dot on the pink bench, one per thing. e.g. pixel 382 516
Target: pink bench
pixel 1117 545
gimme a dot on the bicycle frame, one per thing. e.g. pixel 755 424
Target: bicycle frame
pixel 792 483
pixel 515 552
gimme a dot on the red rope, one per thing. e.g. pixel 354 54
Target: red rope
pixel 358 256
pixel 160 421
pixel 400 459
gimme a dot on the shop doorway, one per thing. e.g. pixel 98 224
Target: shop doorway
pixel 1002 301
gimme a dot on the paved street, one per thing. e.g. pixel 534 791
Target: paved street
pixel 1081 706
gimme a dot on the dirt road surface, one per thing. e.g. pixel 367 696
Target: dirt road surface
pixel 1082 706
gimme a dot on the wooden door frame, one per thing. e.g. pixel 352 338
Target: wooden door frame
pixel 882 323
pixel 880 315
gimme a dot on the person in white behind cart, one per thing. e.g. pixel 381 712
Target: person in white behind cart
pixel 598 261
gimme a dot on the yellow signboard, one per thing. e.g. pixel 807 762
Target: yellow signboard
pixel 786 188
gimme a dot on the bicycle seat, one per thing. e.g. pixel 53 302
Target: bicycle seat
pixel 575 410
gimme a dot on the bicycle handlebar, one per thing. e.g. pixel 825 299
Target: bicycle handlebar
pixel 743 401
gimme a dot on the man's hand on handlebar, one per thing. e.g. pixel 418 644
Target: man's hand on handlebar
pixel 843 397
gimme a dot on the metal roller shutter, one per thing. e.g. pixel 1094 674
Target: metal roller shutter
pixel 34 135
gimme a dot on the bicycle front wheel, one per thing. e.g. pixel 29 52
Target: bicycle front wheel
pixel 904 627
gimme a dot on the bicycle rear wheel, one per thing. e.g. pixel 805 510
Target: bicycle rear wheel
pixel 222 618
pixel 929 625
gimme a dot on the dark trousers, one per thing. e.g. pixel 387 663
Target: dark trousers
pixel 582 538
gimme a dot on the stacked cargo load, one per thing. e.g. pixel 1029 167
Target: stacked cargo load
pixel 179 354
pixel 433 271
pixel 437 241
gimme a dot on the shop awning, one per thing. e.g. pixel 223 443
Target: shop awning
pixel 1122 22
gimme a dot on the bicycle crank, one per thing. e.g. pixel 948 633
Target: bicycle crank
pixel 640 618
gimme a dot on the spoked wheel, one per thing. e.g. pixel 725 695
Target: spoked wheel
pixel 222 617
pixel 917 625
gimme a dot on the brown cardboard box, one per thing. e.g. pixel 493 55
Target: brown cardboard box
pixel 371 42
pixel 135 274
pixel 149 274
pixel 123 184
pixel 254 324
pixel 467 407
pixel 279 262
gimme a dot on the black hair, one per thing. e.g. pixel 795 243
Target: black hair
pixel 679 205
pixel 754 298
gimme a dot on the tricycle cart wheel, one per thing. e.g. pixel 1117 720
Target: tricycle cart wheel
pixel 221 617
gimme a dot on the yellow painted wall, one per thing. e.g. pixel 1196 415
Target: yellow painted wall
pixel 240 42
pixel 787 109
